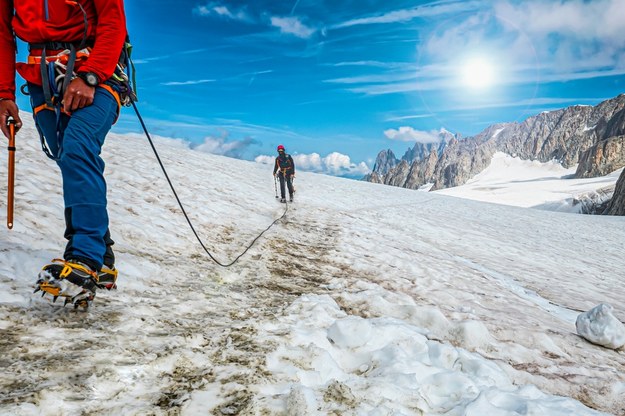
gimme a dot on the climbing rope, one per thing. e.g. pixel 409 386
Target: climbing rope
pixel 158 158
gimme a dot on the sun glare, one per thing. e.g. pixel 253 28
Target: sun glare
pixel 477 73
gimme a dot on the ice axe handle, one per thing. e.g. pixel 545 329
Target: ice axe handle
pixel 10 199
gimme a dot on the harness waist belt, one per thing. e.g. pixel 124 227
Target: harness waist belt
pixel 61 56
pixel 57 46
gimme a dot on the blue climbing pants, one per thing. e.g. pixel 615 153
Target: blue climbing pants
pixel 75 143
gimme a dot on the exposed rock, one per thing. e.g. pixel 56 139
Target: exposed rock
pixel 422 151
pixel 603 158
pixel 613 122
pixel 374 178
pixel 385 162
pixel 422 173
pixel 617 203
pixel 397 176
pixel 461 160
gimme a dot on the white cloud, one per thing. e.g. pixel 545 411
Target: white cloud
pixel 404 15
pixel 537 41
pixel 202 10
pixel 597 20
pixel 534 41
pixel 292 26
pixel 410 77
pixel 223 11
pixel 335 163
pixel 572 36
pixel 340 164
pixel 264 159
pixel 216 9
pixel 221 146
pixel 408 134
pixel 376 64
pixel 312 162
pixel 374 79
pixel 410 117
pixel 190 82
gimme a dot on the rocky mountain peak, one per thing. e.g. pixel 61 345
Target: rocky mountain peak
pixel 591 137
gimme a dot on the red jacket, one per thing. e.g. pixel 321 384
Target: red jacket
pixel 39 21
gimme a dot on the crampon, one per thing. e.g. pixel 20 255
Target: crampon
pixel 73 281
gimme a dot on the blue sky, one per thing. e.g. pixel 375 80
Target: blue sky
pixel 336 81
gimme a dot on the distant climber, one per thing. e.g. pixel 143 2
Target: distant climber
pixel 284 168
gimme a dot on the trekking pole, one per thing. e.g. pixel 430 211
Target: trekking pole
pixel 275 185
pixel 11 124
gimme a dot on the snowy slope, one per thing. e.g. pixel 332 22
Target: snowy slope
pixel 511 181
pixel 365 300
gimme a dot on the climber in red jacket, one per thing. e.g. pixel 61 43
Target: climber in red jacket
pixel 74 52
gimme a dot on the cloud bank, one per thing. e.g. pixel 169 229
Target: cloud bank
pixel 408 134
pixel 335 164
pixel 529 42
pixel 221 146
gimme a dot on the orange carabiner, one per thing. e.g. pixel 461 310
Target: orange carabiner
pixel 10 199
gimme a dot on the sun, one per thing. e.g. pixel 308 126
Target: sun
pixel 477 73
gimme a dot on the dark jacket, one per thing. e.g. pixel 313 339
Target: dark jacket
pixel 284 164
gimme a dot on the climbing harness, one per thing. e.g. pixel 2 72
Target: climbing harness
pixel 54 70
pixel 57 61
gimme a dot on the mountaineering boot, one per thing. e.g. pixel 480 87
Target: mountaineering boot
pixel 107 277
pixel 290 197
pixel 70 279
pixel 283 200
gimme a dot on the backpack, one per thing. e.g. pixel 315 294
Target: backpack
pixel 284 161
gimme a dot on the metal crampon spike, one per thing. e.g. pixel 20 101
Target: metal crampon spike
pixel 82 300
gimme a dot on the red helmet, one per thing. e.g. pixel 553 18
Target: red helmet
pixel 280 148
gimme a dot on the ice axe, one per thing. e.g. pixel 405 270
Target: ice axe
pixel 11 125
